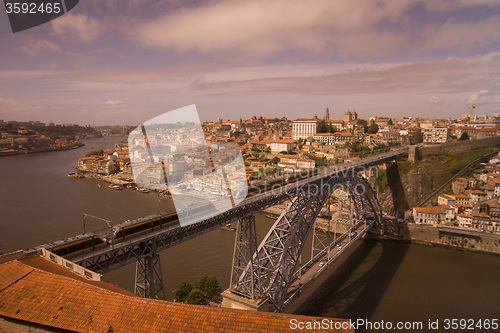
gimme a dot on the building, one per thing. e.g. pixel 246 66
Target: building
pixel 485 133
pixel 481 221
pixel 294 163
pixel 449 214
pixel 436 135
pixel 495 183
pixel 475 195
pixel 277 145
pixel 303 128
pixel 461 199
pixel 428 215
pixel 445 199
pixel 458 187
pixel 343 137
pixel 493 210
pixel 383 121
pixel 464 220
pixel 350 116
pixel 325 138
pixel 470 130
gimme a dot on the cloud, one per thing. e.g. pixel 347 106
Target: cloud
pixel 484 96
pixel 430 77
pixel 434 100
pixel 34 46
pixel 113 102
pixel 77 26
pixel 365 28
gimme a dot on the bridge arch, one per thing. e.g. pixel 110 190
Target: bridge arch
pixel 269 272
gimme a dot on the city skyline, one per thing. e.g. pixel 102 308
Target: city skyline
pixel 125 62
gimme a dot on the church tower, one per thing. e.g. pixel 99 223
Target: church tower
pixel 327 115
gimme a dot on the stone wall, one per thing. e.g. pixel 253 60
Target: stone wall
pixel 423 234
pixel 417 152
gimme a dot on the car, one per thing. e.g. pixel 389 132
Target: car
pixel 321 264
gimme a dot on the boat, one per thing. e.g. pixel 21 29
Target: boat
pixel 269 216
pixel 99 185
pixel 115 187
pixel 72 175
pixel 143 190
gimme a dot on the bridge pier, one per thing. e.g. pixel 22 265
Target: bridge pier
pixel 231 300
pixel 149 277
pixel 245 245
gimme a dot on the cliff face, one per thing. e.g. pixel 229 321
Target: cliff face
pixel 405 184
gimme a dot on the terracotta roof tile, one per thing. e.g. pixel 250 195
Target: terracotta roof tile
pixel 40 296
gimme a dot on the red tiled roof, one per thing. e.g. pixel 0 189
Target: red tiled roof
pixel 429 210
pixel 33 295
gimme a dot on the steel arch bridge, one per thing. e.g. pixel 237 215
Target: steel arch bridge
pixel 273 271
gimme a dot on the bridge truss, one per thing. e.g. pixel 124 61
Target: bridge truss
pixel 274 271
pixel 255 270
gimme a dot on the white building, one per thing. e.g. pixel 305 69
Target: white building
pixel 436 135
pixel 428 215
pixel 303 128
pixel 278 145
pixel 464 220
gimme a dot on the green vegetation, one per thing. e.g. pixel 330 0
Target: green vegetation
pixel 457 162
pixel 464 136
pixel 99 152
pixel 391 175
pixel 63 132
pixel 275 160
pixel 363 124
pixel 183 291
pixel 323 127
pixel 373 128
pixel 205 289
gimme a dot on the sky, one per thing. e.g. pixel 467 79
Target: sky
pixel 126 61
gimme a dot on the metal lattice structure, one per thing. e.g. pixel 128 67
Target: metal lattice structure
pixel 287 235
pixel 273 267
pixel 148 277
pixel 245 246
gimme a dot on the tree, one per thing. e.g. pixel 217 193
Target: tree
pixel 362 123
pixel 183 291
pixel 268 150
pixel 373 128
pixel 322 128
pixel 255 148
pixel 464 136
pixel 195 296
pixel 209 285
pixel 275 160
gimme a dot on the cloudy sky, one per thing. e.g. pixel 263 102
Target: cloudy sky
pixel 124 62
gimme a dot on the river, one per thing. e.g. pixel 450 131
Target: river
pixel 377 281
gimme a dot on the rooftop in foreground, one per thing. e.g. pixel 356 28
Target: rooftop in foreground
pixel 38 293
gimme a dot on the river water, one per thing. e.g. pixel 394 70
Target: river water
pixel 376 281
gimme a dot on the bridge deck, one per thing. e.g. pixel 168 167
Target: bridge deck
pixel 113 256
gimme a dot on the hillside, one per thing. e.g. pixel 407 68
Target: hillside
pixel 404 185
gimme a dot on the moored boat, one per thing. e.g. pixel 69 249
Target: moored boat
pixel 115 187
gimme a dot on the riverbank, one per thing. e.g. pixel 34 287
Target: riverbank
pixel 448 237
pixel 10 152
